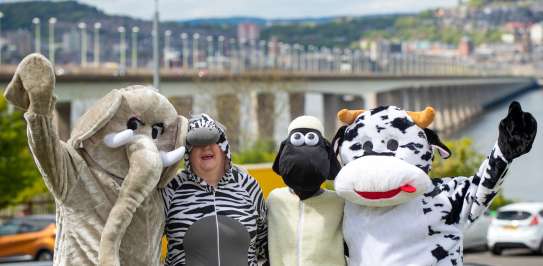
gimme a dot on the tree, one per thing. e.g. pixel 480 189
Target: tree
pixel 19 177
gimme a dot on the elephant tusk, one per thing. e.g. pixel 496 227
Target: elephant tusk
pixel 115 140
pixel 170 158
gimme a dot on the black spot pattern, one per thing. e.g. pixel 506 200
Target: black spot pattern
pixel 384 117
pixel 439 253
pixel 378 109
pixel 432 232
pixel 351 133
pixel 489 197
pixel 433 193
pixel 379 128
pixel 495 172
pixel 426 210
pixel 421 135
pixel 402 123
pixel 427 156
pixel 453 216
pixel 451 236
pixel 413 146
pixel 356 147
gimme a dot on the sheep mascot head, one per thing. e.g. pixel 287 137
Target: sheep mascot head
pixel 131 138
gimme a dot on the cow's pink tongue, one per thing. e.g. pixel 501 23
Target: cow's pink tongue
pixel 408 188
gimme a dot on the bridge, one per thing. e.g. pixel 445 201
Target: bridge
pixel 259 104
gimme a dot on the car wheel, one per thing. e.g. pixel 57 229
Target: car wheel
pixel 496 250
pixel 44 255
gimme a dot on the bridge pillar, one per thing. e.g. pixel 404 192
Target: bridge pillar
pixel 204 103
pixel 314 105
pixel 229 113
pixel 281 116
pixel 266 113
pixel 78 108
pixel 248 118
pixel 183 105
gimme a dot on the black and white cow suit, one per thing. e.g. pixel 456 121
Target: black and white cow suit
pixel 394 213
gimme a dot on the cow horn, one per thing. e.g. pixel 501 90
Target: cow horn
pixel 348 116
pixel 423 119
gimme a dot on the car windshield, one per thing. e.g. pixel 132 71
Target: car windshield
pixel 513 215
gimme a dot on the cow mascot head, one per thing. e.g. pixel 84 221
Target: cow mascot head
pixel 394 213
pixel 392 148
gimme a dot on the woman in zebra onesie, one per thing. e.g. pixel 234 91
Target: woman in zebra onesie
pixel 215 212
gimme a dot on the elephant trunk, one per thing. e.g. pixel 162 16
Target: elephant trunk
pixel 142 178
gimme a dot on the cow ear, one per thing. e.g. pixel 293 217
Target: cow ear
pixel 334 163
pixel 275 166
pixel 338 139
pixel 434 140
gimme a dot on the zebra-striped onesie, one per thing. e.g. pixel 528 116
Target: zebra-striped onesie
pixel 188 199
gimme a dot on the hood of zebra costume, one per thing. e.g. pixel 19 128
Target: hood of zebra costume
pixel 203 129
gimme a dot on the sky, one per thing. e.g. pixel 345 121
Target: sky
pixel 191 9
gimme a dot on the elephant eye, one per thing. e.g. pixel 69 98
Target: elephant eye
pixel 133 123
pixel 158 128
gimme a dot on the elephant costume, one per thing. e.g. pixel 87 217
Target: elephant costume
pixel 104 179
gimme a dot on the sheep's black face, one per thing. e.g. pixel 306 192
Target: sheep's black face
pixel 386 157
pixel 304 161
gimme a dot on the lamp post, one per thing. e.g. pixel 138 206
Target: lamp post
pixel 209 50
pixel 156 70
pixel 220 52
pixel 83 27
pixel 96 52
pixel 184 42
pixel 134 59
pixel 37 33
pixel 1 16
pixel 195 38
pixel 167 35
pixel 122 50
pixel 52 47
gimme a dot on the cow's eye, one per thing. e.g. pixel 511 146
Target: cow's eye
pixel 367 146
pixel 311 139
pixel 158 128
pixel 297 139
pixel 392 144
pixel 133 123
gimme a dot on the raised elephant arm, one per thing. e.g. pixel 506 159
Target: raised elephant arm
pixel 31 89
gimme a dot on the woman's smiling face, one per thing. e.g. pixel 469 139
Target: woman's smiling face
pixel 207 159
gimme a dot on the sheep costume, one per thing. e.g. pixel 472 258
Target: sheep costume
pixel 304 220
pixel 104 179
pixel 394 213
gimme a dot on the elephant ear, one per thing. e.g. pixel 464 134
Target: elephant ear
pixel 178 132
pixel 96 118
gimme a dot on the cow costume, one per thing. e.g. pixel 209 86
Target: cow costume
pixel 304 220
pixel 394 213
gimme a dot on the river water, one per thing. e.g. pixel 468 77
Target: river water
pixel 525 179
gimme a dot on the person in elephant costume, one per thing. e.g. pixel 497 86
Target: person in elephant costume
pixel 104 179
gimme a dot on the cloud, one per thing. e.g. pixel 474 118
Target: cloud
pixel 189 9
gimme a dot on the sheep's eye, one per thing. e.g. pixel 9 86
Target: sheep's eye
pixel 311 139
pixel 157 129
pixel 392 144
pixel 297 139
pixel 367 146
pixel 133 123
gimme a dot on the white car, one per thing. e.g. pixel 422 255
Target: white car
pixel 518 225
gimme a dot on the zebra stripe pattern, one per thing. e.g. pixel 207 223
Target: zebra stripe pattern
pixel 188 199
